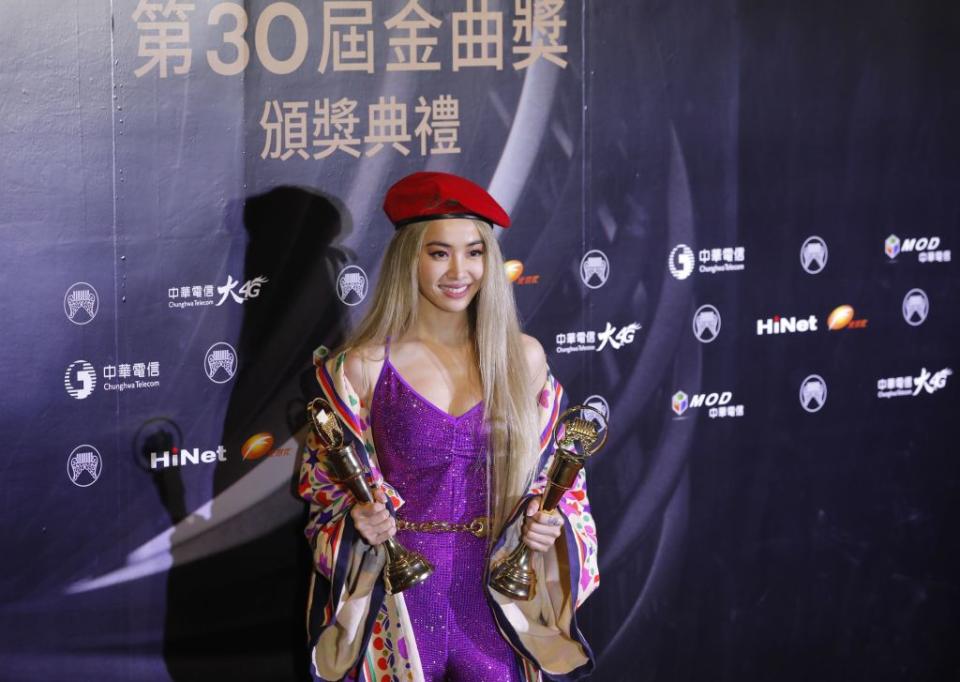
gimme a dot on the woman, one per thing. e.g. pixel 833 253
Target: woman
pixel 454 408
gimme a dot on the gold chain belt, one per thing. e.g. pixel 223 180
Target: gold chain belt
pixel 478 526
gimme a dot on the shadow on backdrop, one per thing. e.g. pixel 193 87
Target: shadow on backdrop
pixel 239 614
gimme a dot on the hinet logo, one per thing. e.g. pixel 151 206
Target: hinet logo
pixel 177 457
pixel 786 325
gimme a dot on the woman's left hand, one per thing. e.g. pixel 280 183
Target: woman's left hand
pixel 540 530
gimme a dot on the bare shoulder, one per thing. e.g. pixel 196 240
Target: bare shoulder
pixel 536 360
pixel 360 365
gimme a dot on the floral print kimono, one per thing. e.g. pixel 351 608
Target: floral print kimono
pixel 359 632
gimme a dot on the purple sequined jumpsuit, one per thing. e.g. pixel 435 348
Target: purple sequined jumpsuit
pixel 437 463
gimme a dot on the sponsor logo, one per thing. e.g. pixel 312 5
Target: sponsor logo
pixel 131 376
pixel 891 247
pixel 202 295
pixel 261 445
pixel 786 325
pixel 514 270
pixel 706 323
pixel 352 285
pixel 680 261
pixel 594 269
pixel 220 362
pixel 81 303
pixel 725 259
pixel 681 401
pixel 912 386
pixel 84 466
pixel 718 404
pixel 813 393
pixel 80 379
pixel 813 255
pixel 579 341
pixel 181 457
pixel 712 261
pixel 926 248
pixel 600 404
pixel 916 307
pixel 842 318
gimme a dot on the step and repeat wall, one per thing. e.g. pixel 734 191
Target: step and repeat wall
pixel 733 233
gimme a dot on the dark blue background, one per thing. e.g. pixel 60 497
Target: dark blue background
pixel 778 546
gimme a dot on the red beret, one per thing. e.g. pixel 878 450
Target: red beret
pixel 422 196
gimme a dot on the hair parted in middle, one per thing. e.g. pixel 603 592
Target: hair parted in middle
pixel 510 413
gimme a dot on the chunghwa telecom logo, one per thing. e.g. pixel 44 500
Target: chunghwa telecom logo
pixel 84 466
pixel 813 255
pixel 912 386
pixel 81 303
pixel 220 362
pixel 585 340
pixel 595 268
pixel 680 263
pixel 80 379
pixel 352 285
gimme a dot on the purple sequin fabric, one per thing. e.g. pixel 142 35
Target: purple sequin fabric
pixel 437 463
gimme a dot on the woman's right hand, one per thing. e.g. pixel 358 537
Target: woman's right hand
pixel 372 520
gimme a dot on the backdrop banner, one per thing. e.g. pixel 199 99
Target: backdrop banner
pixel 733 234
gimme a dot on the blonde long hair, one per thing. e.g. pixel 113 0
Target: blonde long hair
pixel 509 403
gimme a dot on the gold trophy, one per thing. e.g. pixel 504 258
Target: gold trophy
pixel 580 432
pixel 403 568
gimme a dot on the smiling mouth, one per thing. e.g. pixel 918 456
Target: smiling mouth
pixel 454 290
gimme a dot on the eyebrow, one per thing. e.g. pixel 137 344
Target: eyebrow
pixel 450 246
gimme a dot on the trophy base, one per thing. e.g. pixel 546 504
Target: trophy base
pixel 513 577
pixel 404 570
